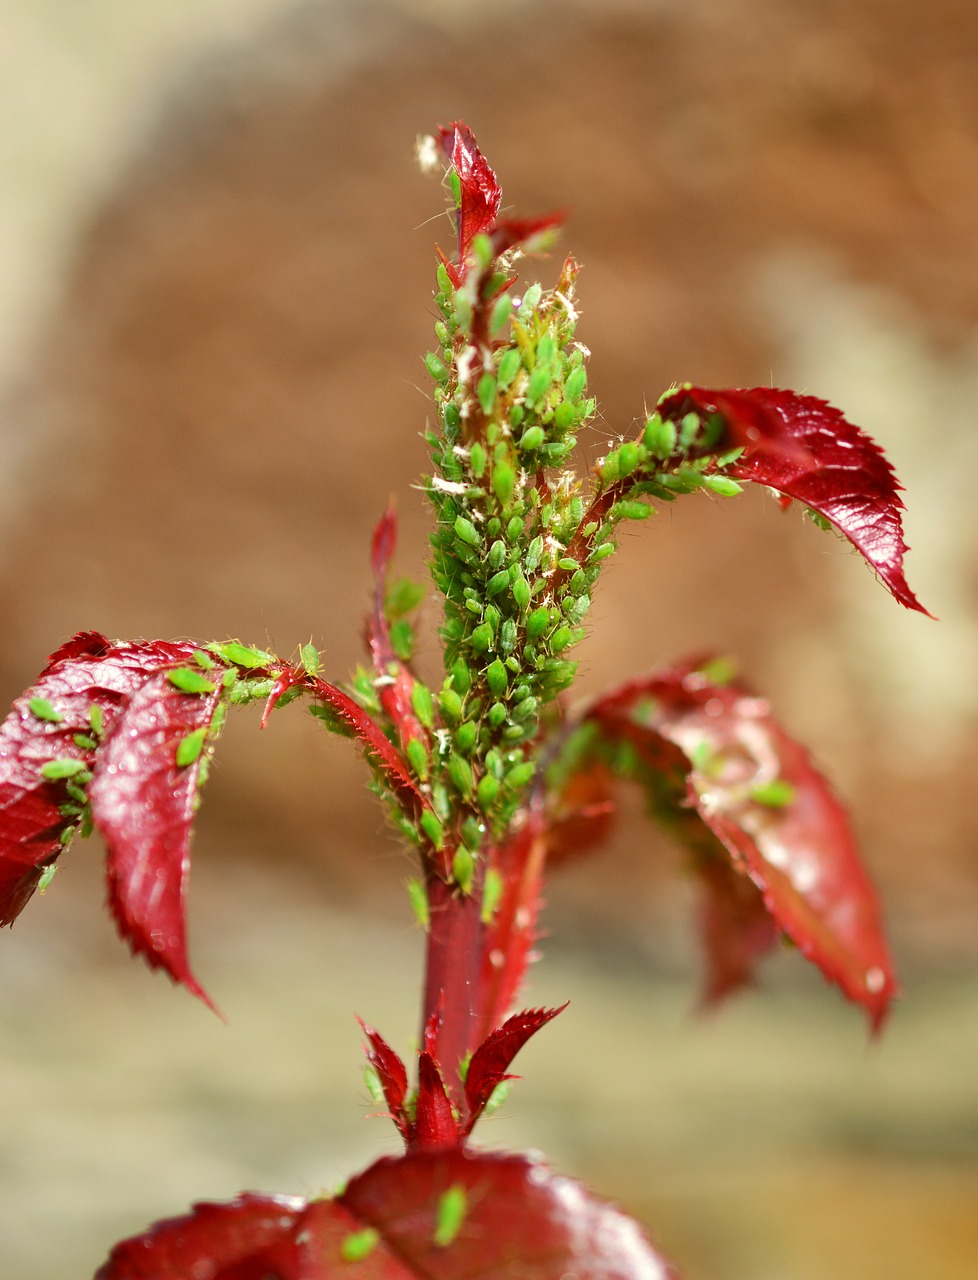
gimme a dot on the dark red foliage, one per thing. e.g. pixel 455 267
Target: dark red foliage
pixel 143 803
pixel 757 791
pixel 87 671
pixel 446 1215
pixel 392 1075
pixel 492 1058
pixel 480 192
pixel 806 450
pixel 480 196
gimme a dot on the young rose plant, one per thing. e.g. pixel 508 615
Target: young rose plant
pixel 484 768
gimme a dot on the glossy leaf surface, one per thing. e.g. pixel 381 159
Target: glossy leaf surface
pixel 449 1215
pixel 67 715
pixel 144 802
pixel 807 450
pixel 757 791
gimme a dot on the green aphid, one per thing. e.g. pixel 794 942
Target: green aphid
pixel 359 1244
pixel 463 868
pixel 537 622
pixel 531 299
pixel 499 315
pixel 660 437
pixel 575 383
pixel 450 1215
pixel 229 679
pixel 497 554
pixel 521 592
pixel 244 655
pixel 477 454
pixel 189 681
pixel 204 660
pixel 532 438
pixel 560 639
pixel 481 638
pixel 776 794
pixel 497 1097
pixel 466 736
pixel 539 384
pixel 433 828
pixel 496 715
pixel 466 531
pixel 630 509
pixel 534 553
pixel 498 582
pixel 526 709
pixel 190 747
pixel 371 1079
pixel 436 367
pixel 546 348
pixel 564 415
pixel 497 678
pixel 720 670
pixel 603 552
pixel 64 767
pixel 460 772
pixel 47 875
pixel 423 704
pixel 629 457
pixel 487 791
pixel 492 892
pixel 514 530
pixel 568 564
pixel 450 705
pixel 520 774
pixel 84 741
pixel 507 635
pixel 309 658
pixel 818 519
pixel 418 898
pixel 689 429
pixel 486 392
pixel 509 367
pixel 503 483
pixel 461 677
pixel 96 720
pixel 417 755
pixel 722 486
pixel 41 709
pixel 402 639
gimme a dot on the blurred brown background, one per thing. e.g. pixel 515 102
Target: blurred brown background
pixel 220 262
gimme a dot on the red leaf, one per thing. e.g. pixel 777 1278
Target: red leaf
pixel 490 1061
pixel 480 196
pixel 756 789
pixel 86 672
pixel 253 1238
pixel 446 1215
pixel 805 449
pixel 582 815
pixel 480 192
pixel 735 925
pixel 435 1125
pixel 144 803
pixel 392 1074
pixel 514 1217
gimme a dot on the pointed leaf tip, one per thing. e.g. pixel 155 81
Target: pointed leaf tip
pixel 806 450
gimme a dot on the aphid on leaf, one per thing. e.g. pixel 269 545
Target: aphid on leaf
pixel 450 1215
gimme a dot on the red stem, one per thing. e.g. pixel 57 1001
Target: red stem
pixel 453 962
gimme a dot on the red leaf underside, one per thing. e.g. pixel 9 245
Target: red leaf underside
pixel 144 804
pixel 491 1060
pixel 757 791
pixel 480 192
pixel 805 449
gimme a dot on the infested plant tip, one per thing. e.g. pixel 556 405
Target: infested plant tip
pixel 487 772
